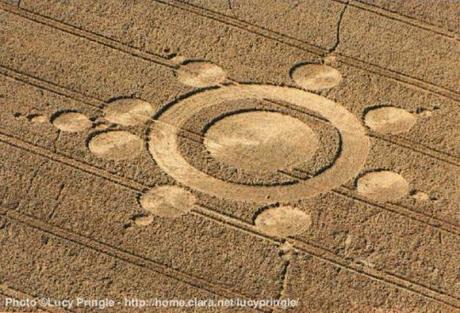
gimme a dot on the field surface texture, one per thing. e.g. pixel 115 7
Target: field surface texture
pixel 230 156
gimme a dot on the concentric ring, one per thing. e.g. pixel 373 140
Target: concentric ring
pixel 163 144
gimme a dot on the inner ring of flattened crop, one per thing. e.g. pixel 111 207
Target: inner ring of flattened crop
pixel 163 144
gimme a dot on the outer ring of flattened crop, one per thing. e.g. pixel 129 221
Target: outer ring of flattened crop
pixel 163 144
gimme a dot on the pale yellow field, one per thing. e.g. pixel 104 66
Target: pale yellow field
pixel 229 156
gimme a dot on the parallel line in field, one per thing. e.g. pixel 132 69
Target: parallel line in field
pixel 216 216
pixel 231 21
pixel 403 211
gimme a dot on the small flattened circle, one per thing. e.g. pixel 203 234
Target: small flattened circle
pixel 261 140
pixel 168 201
pixel 143 220
pixel 37 119
pixel 383 186
pixel 128 112
pixel 316 76
pixel 389 120
pixel 71 122
pixel 283 221
pixel 421 196
pixel 200 74
pixel 116 145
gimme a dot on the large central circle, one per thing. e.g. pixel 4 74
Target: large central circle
pixel 260 140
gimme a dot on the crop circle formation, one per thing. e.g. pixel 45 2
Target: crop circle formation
pixel 163 143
